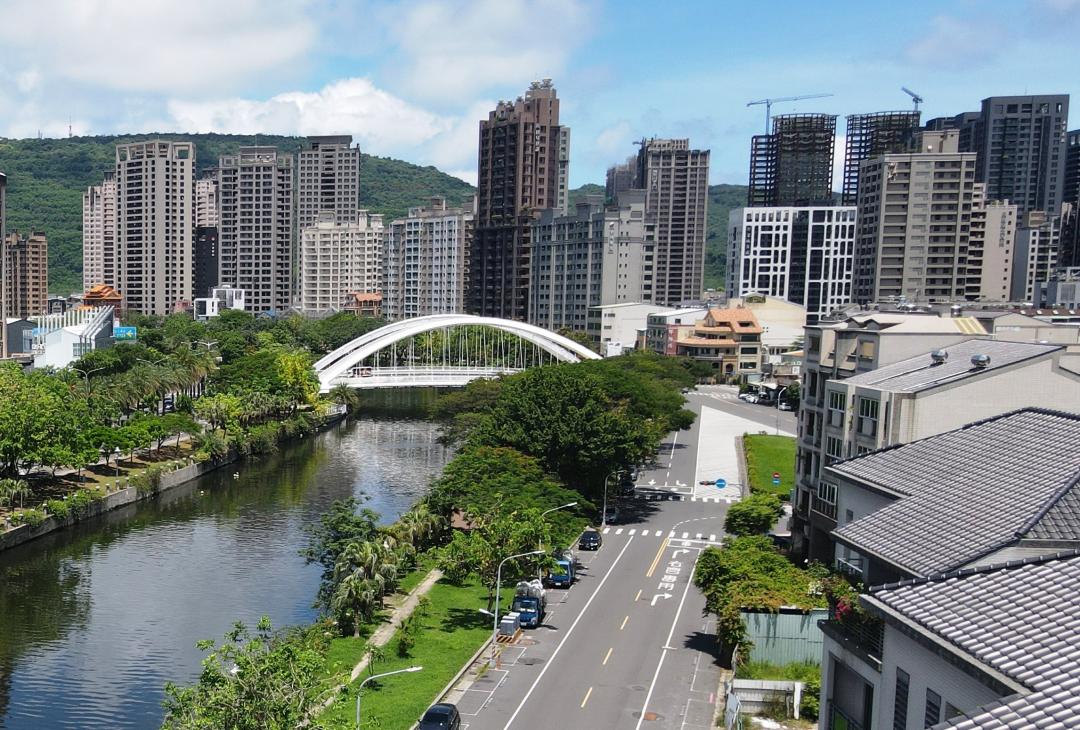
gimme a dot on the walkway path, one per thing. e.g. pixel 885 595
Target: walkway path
pixel 717 455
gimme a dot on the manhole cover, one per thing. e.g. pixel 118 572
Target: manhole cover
pixel 530 661
pixel 527 642
pixel 651 716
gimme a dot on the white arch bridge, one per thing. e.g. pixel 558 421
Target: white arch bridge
pixel 444 350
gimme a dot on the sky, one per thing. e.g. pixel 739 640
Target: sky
pixel 411 80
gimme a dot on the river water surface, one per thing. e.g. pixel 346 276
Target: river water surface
pixel 95 619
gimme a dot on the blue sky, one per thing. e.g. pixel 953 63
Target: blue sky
pixel 411 80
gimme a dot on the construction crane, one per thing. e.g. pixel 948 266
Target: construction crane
pixel 769 102
pixel 914 97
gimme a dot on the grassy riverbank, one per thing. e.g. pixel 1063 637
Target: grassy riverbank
pixel 450 631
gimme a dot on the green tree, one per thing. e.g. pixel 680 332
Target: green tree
pixel 754 515
pixel 345 523
pixel 342 394
pixel 252 681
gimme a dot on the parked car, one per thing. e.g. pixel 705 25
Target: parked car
pixel 751 398
pixel 785 406
pixel 590 540
pixel 611 516
pixel 746 395
pixel 442 716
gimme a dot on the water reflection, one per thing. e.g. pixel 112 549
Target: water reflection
pixel 94 620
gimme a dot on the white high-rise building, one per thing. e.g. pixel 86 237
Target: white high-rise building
pixel 802 254
pixel 593 257
pixel 255 227
pixel 425 261
pixel 99 233
pixel 339 259
pixel 155 218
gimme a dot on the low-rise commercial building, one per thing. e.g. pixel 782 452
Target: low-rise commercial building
pixel 61 339
pixel 729 339
pixel 621 327
pixel 220 299
pixel 663 327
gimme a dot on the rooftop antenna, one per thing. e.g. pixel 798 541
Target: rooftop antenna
pixel 769 102
pixel 914 97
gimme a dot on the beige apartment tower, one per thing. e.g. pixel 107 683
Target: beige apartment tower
pixel 255 227
pixel 328 181
pixel 338 260
pixel 155 198
pixel 990 248
pixel 206 200
pixel 25 275
pixel 425 261
pixel 99 233
pixel 914 218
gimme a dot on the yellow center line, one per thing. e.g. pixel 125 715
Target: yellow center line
pixel 608 655
pixel 656 560
pixel 626 619
pixel 638 595
pixel 586 698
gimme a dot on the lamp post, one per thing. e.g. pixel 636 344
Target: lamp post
pixel 778 408
pixel 542 515
pixel 86 376
pixel 498 585
pixel 116 461
pixel 603 515
pixel 378 676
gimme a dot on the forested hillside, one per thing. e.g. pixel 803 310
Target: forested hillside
pixel 47 177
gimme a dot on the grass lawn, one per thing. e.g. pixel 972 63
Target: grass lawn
pixel 450 633
pixel 765 455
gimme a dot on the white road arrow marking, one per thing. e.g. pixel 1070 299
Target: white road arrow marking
pixel 679 484
pixel 652 482
pixel 665 596
pixel 676 553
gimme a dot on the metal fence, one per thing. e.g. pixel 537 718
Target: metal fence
pixel 782 638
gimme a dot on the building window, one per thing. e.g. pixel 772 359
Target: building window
pixel 933 708
pixel 868 416
pixel 837 406
pixel 834 450
pixel 825 500
pixel 899 717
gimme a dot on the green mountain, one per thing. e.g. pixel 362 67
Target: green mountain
pixel 47 177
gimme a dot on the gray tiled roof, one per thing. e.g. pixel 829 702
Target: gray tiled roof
pixel 1021 620
pixel 919 373
pixel 970 491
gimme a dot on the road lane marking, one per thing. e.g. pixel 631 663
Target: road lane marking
pixel 587 694
pixel 664 650
pixel 618 531
pixel 551 660
pixel 632 531
pixel 685 535
pixel 608 655
pixel 607 530
pixel 656 560
pixel 627 618
pixel 635 600
pixel 712 538
pixel 699 537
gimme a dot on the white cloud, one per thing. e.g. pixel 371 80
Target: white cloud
pixel 976 40
pixel 378 120
pixel 156 45
pixel 614 141
pixel 455 49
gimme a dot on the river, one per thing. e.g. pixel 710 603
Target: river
pixel 95 619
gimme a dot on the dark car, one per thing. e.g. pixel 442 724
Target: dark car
pixel 590 540
pixel 442 716
pixel 611 516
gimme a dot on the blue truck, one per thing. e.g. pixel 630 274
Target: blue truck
pixel 530 602
pixel 564 573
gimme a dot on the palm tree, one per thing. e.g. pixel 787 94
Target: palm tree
pixel 346 396
pixel 12 489
pixel 355 599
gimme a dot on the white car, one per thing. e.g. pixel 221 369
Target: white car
pixel 786 407
pixel 751 398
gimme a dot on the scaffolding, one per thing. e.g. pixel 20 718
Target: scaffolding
pixel 873 135
pixel 793 164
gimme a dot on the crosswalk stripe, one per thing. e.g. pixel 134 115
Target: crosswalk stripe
pixel 618 531
pixel 644 533
pixel 631 532
pixel 712 538
pixel 685 535
pixel 607 530
pixel 671 534
pixel 698 537
pixel 693 499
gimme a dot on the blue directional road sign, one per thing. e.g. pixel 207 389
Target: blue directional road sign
pixel 721 483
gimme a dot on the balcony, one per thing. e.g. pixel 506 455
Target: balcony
pixel 859 633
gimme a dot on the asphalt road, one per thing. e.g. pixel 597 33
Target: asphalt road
pixel 628 646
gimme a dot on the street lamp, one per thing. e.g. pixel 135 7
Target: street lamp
pixel 542 515
pixel 378 676
pixel 498 585
pixel 778 408
pixel 603 515
pixel 86 375
pixel 116 460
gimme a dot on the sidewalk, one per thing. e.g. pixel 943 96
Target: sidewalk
pixel 717 454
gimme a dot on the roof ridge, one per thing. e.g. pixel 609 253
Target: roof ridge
pixel 965 572
pixel 1050 503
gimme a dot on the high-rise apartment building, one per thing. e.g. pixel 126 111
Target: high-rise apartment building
pixel 1020 141
pixel 1038 241
pixel 155 206
pixel 328 181
pixel 25 275
pixel 675 179
pixel 991 245
pixel 338 260
pixel 873 135
pixel 424 265
pixel 3 204
pixel 793 164
pixel 206 200
pixel 1070 217
pixel 255 227
pixel 963 123
pixel 99 233
pixel 621 177
pixel 595 256
pixel 523 161
pixel 914 218
pixel 804 255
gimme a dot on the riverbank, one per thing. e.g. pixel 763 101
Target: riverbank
pixel 141 484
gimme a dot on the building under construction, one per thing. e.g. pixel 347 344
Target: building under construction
pixel 873 135
pixel 793 165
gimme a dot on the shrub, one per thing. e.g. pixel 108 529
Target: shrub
pixel 31 517
pixel 148 480
pixel 212 446
pixel 754 515
pixel 79 503
pixel 263 439
pixel 58 508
